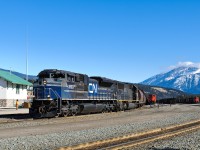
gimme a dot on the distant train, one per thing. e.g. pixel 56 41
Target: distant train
pixel 188 99
pixel 183 100
pixel 64 93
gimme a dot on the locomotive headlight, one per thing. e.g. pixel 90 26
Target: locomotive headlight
pixel 44 82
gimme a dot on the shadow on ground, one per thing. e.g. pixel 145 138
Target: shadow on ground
pixel 16 116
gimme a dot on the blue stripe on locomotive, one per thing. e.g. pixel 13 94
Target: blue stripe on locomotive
pixel 68 93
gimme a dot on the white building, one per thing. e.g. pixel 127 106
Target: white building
pixel 12 88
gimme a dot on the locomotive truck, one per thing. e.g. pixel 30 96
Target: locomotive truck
pixel 65 93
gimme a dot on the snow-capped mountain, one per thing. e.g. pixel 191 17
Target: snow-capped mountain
pixel 182 78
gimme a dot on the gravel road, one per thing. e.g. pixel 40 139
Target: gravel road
pixel 57 132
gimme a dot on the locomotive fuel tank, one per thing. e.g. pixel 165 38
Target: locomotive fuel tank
pixel 87 108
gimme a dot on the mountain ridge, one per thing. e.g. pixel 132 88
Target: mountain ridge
pixel 182 78
pixel 161 92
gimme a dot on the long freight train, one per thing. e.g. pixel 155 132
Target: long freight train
pixel 64 93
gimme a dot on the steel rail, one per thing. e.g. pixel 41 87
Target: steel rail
pixel 132 140
pixel 24 117
pixel 139 142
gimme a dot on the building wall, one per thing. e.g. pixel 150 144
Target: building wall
pixel 8 95
pixel 11 92
pixel 3 85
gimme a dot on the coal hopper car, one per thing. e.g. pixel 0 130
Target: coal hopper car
pixel 64 93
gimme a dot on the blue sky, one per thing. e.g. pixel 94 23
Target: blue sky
pixel 127 40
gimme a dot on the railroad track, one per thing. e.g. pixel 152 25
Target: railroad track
pixel 133 140
pixel 26 117
pixel 13 118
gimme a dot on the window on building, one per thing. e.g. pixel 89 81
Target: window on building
pixel 17 88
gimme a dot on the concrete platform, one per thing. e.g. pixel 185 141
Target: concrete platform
pixel 12 110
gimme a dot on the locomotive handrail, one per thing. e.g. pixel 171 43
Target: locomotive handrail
pixel 49 89
pixel 34 91
pixel 55 93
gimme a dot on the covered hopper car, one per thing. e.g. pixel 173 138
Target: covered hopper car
pixel 64 93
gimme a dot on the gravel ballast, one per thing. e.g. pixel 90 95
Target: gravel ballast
pixel 107 126
pixel 188 141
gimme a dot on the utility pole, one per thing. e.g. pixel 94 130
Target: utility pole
pixel 10 70
pixel 27 53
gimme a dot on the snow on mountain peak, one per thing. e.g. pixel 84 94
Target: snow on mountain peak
pixel 197 71
pixel 169 78
pixel 185 76
pixel 185 64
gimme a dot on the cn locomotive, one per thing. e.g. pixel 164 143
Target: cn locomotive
pixel 64 93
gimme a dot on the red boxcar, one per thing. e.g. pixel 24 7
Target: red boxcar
pixel 152 98
pixel 196 99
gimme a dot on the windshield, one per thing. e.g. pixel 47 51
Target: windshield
pixel 52 75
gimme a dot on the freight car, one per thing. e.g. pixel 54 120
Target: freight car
pixel 152 99
pixel 183 100
pixel 188 99
pixel 64 93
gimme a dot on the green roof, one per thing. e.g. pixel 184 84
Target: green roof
pixel 13 78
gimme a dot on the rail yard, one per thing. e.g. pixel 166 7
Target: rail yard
pixel 99 75
pixel 74 111
pixel 65 132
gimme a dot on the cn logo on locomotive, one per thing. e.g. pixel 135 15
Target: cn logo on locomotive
pixel 92 87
